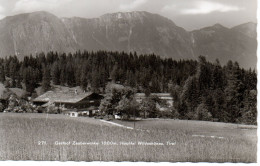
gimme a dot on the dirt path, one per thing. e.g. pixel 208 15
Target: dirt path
pixel 116 124
pixel 123 126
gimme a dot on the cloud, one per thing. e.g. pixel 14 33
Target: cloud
pixel 205 7
pixel 36 5
pixel 2 16
pixel 133 5
pixel 2 11
pixel 169 8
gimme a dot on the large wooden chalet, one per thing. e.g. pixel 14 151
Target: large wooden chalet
pixel 71 101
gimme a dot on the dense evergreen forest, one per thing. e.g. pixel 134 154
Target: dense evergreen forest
pixel 201 89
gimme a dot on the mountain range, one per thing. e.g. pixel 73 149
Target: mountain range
pixel 143 32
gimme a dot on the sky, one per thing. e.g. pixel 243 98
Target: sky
pixel 189 14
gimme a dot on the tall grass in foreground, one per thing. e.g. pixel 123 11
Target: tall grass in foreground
pixel 19 136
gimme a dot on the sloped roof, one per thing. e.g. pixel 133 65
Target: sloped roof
pixel 63 97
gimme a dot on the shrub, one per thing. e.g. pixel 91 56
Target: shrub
pixel 203 113
pixel 175 114
pixel 1 107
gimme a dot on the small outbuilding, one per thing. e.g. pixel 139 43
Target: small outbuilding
pixel 72 113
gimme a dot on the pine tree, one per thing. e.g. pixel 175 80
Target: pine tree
pixel 217 76
pixel 2 74
pixel 249 112
pixel 155 85
pixel 114 73
pixel 83 79
pixel 70 74
pixel 29 79
pixel 46 80
pixel 13 72
pixel 55 74
pixel 219 110
pixel 234 92
pixel 190 94
pixel 203 75
pixel 63 78
pixel 95 83
pixel 18 81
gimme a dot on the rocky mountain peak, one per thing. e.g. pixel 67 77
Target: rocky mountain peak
pixel 248 29
pixel 140 31
pixel 126 15
pixel 218 26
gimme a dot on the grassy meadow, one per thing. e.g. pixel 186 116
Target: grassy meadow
pixel 34 137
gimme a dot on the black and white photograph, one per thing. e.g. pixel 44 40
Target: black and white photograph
pixel 128 81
